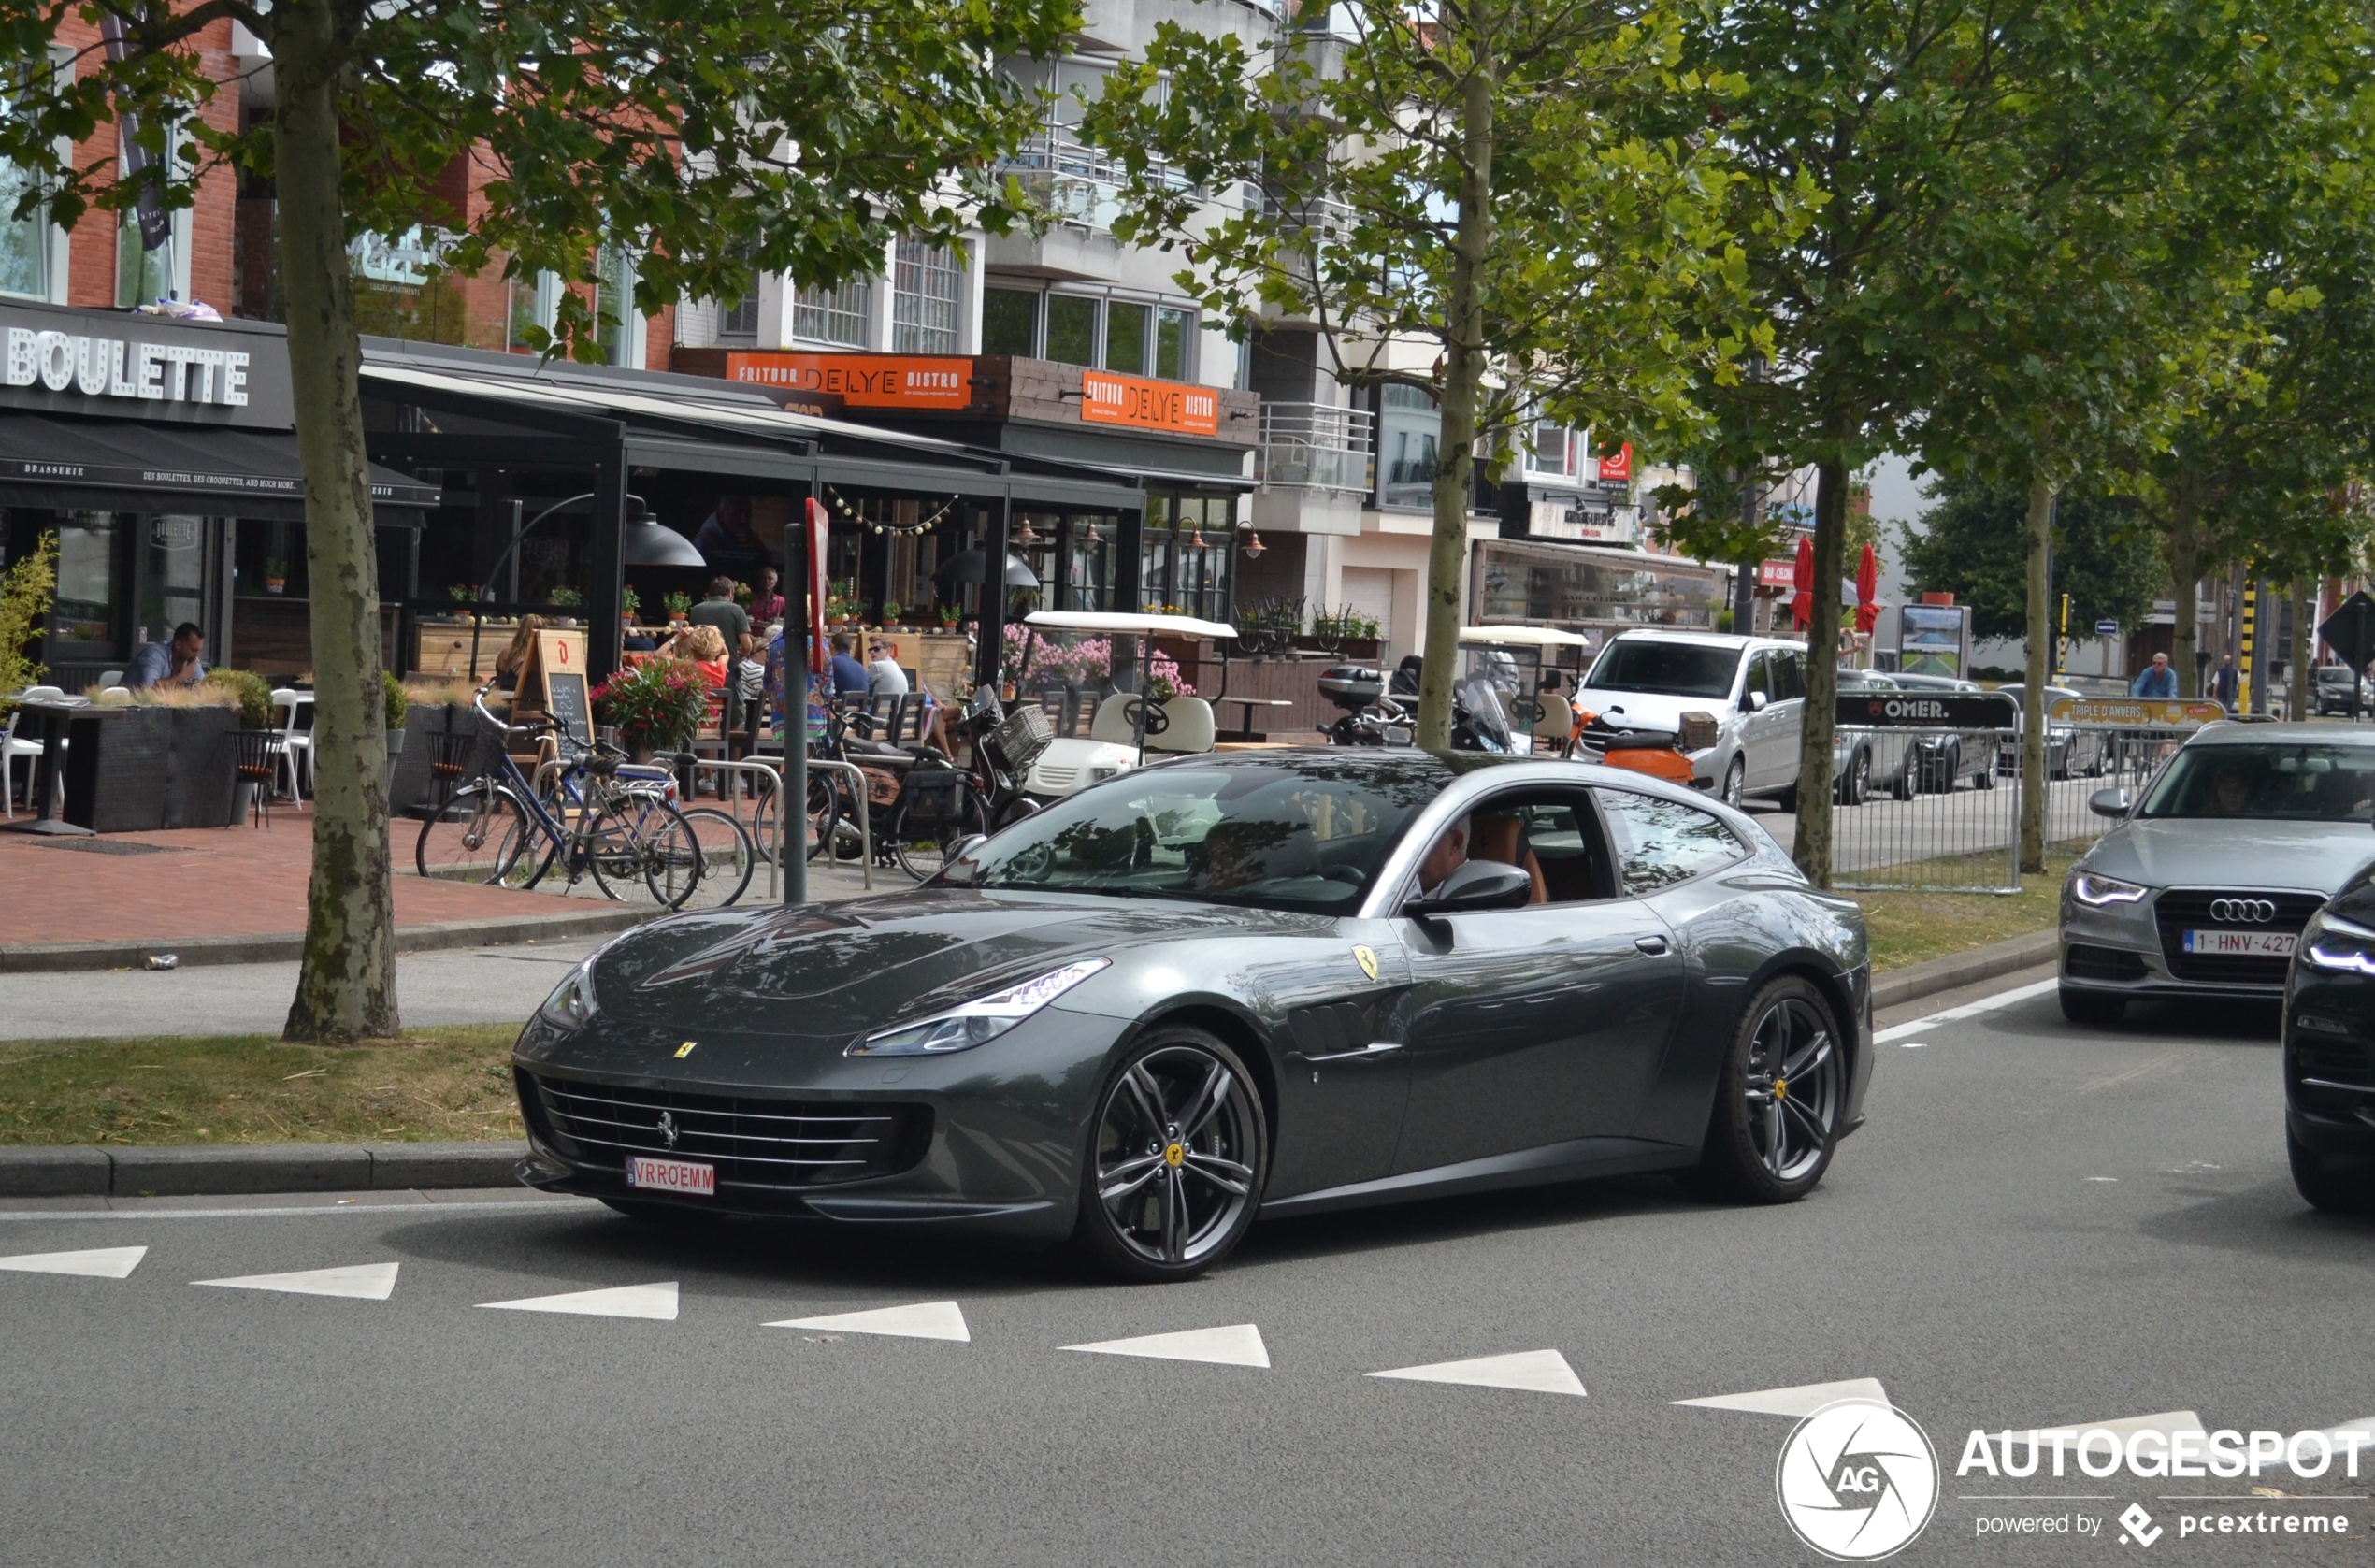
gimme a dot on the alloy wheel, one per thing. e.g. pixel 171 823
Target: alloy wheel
pixel 1177 1159
pixel 1736 779
pixel 1794 1082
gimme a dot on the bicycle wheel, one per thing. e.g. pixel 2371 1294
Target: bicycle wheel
pixel 919 841
pixel 825 811
pixel 481 836
pixel 641 837
pixel 727 854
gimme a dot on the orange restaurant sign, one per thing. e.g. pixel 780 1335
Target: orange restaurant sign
pixel 1109 399
pixel 862 381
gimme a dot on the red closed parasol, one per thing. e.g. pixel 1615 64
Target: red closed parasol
pixel 1867 589
pixel 1802 608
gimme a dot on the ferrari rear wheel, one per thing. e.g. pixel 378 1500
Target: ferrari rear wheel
pixel 1176 1165
pixel 1781 1099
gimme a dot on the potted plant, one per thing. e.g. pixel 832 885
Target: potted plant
pixel 398 705
pixel 276 577
pixel 948 613
pixel 630 603
pixel 655 706
pixel 678 606
pixel 890 616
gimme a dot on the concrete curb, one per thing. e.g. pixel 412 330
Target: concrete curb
pixel 183 1170
pixel 1897 987
pixel 178 1171
pixel 511 930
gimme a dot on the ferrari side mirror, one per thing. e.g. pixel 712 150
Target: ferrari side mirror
pixel 1479 885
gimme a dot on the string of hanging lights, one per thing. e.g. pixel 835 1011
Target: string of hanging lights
pixel 856 514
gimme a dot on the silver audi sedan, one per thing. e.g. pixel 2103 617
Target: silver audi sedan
pixel 2203 887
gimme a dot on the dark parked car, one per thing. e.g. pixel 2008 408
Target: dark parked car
pixel 1275 982
pixel 2338 689
pixel 1938 757
pixel 2329 1053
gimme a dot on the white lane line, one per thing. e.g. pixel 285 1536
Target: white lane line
pixel 1538 1372
pixel 1239 1345
pixel 655 1301
pixel 1803 1400
pixel 104 1262
pixel 1968 1010
pixel 363 1282
pixel 416 1211
pixel 923 1320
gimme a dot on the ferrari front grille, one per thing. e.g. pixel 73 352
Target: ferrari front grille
pixel 752 1142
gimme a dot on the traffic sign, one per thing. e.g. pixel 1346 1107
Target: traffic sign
pixel 2350 631
pixel 2107 628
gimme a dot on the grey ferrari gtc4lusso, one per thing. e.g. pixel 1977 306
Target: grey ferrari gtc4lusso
pixel 1270 982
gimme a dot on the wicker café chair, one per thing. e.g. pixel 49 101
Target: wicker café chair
pixel 258 755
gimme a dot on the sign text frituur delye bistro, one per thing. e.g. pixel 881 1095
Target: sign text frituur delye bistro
pixel 114 363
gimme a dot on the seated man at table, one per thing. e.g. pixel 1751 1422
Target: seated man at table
pixel 849 677
pixel 174 663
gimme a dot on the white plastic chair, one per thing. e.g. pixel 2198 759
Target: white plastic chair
pixel 12 750
pixel 296 745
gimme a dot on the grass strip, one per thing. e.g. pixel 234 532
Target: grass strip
pixel 427 1085
pixel 1908 926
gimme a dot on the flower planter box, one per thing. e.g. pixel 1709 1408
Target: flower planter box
pixel 141 768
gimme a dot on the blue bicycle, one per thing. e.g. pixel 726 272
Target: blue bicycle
pixel 599 814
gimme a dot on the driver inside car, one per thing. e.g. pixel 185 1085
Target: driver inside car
pixel 1501 835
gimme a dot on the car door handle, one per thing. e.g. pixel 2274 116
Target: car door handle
pixel 1651 945
pixel 1375 1048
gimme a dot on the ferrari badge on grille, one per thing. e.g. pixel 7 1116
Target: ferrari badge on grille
pixel 1367 959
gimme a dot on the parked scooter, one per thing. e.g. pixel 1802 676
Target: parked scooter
pixel 1383 712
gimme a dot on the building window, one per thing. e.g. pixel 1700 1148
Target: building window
pixel 24 242
pixel 1184 555
pixel 1175 330
pixel 618 325
pixel 1072 329
pixel 1409 428
pixel 844 315
pixel 1554 449
pixel 1125 333
pixel 926 285
pixel 1010 321
pixel 738 321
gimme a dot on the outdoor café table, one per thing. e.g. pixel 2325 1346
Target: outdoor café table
pixel 52 718
pixel 1250 703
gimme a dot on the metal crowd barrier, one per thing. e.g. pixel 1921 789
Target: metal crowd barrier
pixel 770 807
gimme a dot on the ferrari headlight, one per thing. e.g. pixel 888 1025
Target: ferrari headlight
pixel 2094 889
pixel 571 1005
pixel 2329 944
pixel 962 1029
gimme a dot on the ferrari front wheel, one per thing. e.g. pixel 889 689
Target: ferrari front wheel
pixel 1177 1160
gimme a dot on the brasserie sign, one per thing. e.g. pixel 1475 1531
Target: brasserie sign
pixel 128 365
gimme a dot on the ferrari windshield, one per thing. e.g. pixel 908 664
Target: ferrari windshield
pixel 1665 668
pixel 2267 782
pixel 1308 837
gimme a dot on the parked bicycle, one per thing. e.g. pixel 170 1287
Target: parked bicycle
pixel 599 815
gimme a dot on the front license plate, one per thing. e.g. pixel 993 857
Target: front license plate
pixel 672 1176
pixel 2241 944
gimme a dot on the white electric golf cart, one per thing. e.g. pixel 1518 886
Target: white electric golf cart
pixel 1126 728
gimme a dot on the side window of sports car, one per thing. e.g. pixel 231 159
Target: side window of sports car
pixel 1552 835
pixel 1660 842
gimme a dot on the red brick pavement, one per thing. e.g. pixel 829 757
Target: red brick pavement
pixel 208 882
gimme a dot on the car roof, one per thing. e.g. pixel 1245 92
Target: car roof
pixel 1700 639
pixel 2230 732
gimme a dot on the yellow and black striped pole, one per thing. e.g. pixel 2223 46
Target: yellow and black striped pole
pixel 2062 642
pixel 2250 618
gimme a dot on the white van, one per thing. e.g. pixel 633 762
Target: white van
pixel 1754 686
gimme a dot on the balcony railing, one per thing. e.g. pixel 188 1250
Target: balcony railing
pixel 1075 184
pixel 1315 446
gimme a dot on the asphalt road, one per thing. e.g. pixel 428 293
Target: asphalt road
pixel 2041 1226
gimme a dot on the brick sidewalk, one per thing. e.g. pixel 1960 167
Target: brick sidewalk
pixel 234 881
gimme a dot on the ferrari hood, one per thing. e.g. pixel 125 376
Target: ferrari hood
pixel 841 970
pixel 2310 857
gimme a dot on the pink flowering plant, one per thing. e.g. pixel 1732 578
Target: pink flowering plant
pixel 655 705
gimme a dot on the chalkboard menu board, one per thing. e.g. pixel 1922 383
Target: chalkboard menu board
pixel 566 703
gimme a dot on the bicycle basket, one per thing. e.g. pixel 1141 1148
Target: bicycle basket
pixel 1022 735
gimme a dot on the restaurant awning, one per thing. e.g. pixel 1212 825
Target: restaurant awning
pixel 118 466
